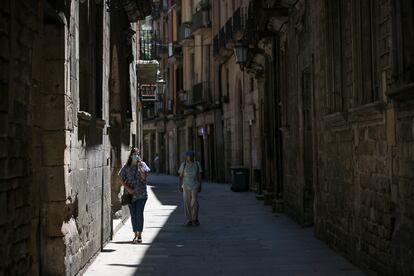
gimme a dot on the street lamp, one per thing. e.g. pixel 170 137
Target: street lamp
pixel 240 52
pixel 161 86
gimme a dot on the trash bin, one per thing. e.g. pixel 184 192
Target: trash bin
pixel 240 179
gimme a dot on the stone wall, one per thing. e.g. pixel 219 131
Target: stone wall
pixel 19 188
pixel 401 219
pixel 362 155
pixel 88 172
pixel 55 176
pixel 295 43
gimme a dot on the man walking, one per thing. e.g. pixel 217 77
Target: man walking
pixel 190 185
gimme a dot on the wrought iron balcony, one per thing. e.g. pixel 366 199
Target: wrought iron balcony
pixel 201 93
pixel 175 52
pixel 161 50
pixel 153 112
pixel 156 10
pixel 201 21
pixel 169 109
pixel 146 42
pixel 149 113
pixel 240 17
pixel 182 96
pixel 135 9
pixel 184 33
pixel 234 29
pixel 148 95
pixel 216 45
pixel 228 29
pixel 220 47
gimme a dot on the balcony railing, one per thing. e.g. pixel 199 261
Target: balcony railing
pixel 184 32
pixel 228 27
pixel 233 29
pixel 169 106
pixel 222 38
pixel 147 49
pixel 182 96
pixel 148 113
pixel 161 50
pixel 201 19
pixel 219 44
pixel 240 19
pixel 201 93
pixel 175 50
pixel 148 93
pixel 135 10
pixel 216 45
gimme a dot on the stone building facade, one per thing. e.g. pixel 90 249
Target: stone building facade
pixel 344 113
pixel 240 92
pixel 189 115
pixel 57 143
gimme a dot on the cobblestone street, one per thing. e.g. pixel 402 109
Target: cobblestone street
pixel 237 236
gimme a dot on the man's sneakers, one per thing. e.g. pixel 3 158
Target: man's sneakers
pixel 192 223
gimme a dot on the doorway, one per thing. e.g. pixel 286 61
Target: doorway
pixel 211 153
pixel 200 150
pixel 171 159
pixel 308 153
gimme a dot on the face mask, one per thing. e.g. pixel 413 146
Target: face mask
pixel 135 157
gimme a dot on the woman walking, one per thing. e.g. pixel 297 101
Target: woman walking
pixel 133 178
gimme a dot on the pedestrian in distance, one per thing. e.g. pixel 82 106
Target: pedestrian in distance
pixel 189 184
pixel 133 176
pixel 156 162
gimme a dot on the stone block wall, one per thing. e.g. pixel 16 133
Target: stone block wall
pixel 296 48
pixel 401 219
pixel 87 152
pixel 19 188
pixel 363 158
pixel 55 161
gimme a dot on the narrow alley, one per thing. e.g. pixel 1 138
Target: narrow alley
pixel 297 115
pixel 237 236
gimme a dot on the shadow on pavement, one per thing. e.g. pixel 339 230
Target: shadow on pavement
pixel 237 236
pixel 177 249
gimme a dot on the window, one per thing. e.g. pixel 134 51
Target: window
pixel 99 60
pixel 366 84
pixel 334 97
pixel 91 57
pixel 283 86
pixel 84 57
pixel 179 79
pixel 403 38
pixel 133 140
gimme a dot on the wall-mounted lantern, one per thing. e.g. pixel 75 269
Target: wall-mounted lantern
pixel 240 52
pixel 161 84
